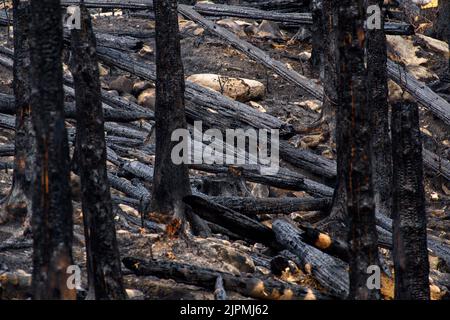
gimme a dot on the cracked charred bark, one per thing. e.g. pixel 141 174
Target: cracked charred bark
pixel 330 104
pixel 379 108
pixel 52 224
pixel 171 181
pixel 353 139
pixel 441 27
pixel 18 202
pixel 410 253
pixel 103 261
pixel 317 34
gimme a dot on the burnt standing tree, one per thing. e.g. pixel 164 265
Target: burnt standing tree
pixel 317 34
pixel 52 208
pixel 18 201
pixel 410 253
pixel 338 212
pixel 103 261
pixel 441 30
pixel 379 108
pixel 353 139
pixel 171 181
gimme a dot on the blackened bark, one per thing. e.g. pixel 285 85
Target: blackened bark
pixel 317 34
pixel 353 127
pixel 329 73
pixel 378 105
pixel 410 253
pixel 338 213
pixel 171 182
pixel 52 224
pixel 441 26
pixel 18 201
pixel 104 271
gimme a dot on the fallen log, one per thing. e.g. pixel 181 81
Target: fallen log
pixel 284 179
pixel 212 9
pixel 216 229
pixel 417 89
pixel 277 4
pixel 6 165
pixel 329 271
pixel 16 244
pixel 225 110
pixel 436 163
pixel 246 285
pixel 7 104
pixel 310 86
pixel 128 188
pixel 253 206
pixel 320 168
pixel 322 241
pixel 110 100
pixel 227 114
pixel 7 121
pixel 112 4
pixel 123 43
pixel 6 150
pixel 293 19
pixel 229 219
pixel 231 114
pixel 123 131
pixel 420 91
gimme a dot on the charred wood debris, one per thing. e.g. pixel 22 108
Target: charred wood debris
pixel 275 242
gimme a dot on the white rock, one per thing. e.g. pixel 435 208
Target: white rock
pixel 236 88
pixel 148 98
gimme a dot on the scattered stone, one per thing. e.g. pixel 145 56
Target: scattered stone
pixel 122 84
pixel 257 106
pixel 269 30
pixel 134 294
pixel 233 26
pixel 146 52
pixel 305 56
pixel 103 71
pixel 148 98
pixel 129 97
pixel 113 92
pixel 140 86
pixel 239 89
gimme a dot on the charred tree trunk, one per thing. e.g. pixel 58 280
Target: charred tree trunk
pixel 410 253
pixel 171 181
pixel 52 208
pixel 18 201
pixel 353 127
pixel 338 213
pixel 330 65
pixel 317 34
pixel 104 272
pixel 378 103
pixel 441 27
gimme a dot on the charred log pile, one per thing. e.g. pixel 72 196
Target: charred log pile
pixel 284 215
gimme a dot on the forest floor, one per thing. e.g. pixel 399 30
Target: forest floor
pixel 205 53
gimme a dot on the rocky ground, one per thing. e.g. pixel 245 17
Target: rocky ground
pixel 203 53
